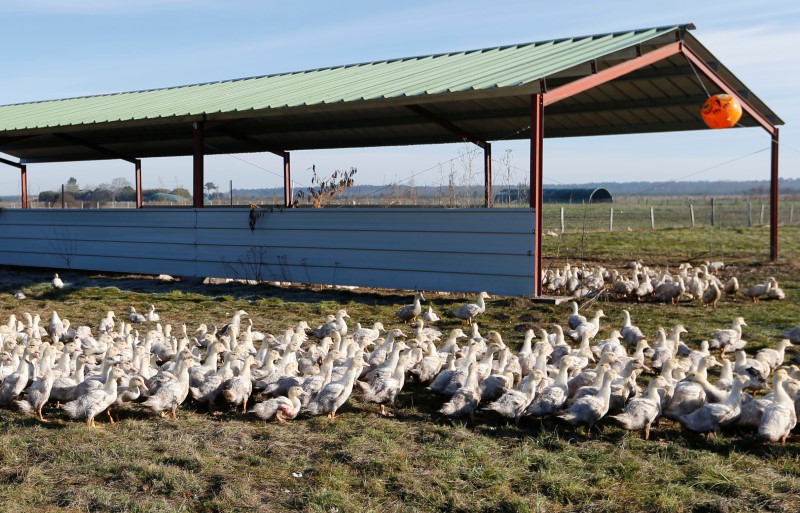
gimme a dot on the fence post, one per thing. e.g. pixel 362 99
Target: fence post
pixel 691 212
pixel 791 214
pixel 749 213
pixel 712 211
pixel 761 221
pixel 562 219
pixel 231 188
pixel 611 220
pixel 652 219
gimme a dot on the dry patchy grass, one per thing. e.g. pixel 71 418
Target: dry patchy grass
pixel 416 461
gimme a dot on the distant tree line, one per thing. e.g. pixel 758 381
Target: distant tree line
pixel 119 189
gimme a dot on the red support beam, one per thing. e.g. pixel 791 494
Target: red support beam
pixel 773 203
pixel 197 167
pixel 537 146
pixel 138 179
pixel 609 74
pixel 287 180
pixel 711 75
pixel 23 172
pixel 487 175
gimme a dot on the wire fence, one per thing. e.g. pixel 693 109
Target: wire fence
pixel 713 212
pixel 625 214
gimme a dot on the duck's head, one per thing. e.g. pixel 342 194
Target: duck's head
pixel 294 392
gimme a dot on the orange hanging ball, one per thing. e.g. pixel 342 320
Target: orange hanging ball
pixel 721 111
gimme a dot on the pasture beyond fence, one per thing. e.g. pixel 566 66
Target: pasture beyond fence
pixel 625 214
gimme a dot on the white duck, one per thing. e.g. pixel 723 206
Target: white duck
pixel 470 310
pixel 642 411
pixel 57 284
pixel 512 404
pixel 465 400
pixel 711 417
pixel 552 398
pixel 172 394
pixel 94 402
pixel 430 316
pixel 576 319
pixel 383 389
pixel 282 408
pixel 774 357
pixel 590 327
pixel 335 394
pixel 780 417
pixel 632 334
pixel 587 410
pixel 412 311
pixel 135 316
pixel 728 340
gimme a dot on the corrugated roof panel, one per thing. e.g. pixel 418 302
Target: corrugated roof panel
pixel 507 66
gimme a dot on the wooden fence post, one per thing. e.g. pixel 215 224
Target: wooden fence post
pixel 791 214
pixel 749 213
pixel 712 211
pixel 652 219
pixel 562 219
pixel 611 220
pixel 761 221
pixel 691 212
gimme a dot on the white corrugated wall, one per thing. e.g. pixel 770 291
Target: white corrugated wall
pixel 457 250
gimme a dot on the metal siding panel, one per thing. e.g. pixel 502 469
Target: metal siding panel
pixel 431 249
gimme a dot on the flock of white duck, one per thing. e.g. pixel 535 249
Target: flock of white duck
pixel 568 373
pixel 643 283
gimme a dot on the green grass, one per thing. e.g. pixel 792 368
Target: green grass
pixel 416 461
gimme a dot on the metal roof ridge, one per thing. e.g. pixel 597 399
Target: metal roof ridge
pixel 684 26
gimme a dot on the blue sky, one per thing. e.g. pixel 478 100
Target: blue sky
pixel 55 49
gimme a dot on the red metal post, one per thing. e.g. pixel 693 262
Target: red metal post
pixel 197 169
pixel 487 174
pixel 138 174
pixel 287 180
pixel 773 201
pixel 23 172
pixel 537 146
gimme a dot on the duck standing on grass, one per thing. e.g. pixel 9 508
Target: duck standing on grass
pixel 641 412
pixel 470 310
pixel 412 311
pixel 94 402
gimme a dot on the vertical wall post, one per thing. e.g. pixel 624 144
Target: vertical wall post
pixel 537 146
pixel 23 175
pixel 138 173
pixel 773 201
pixel 488 200
pixel 197 168
pixel 287 180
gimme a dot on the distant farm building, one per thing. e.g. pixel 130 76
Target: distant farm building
pixel 599 195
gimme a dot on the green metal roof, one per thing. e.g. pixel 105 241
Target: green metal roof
pixel 486 92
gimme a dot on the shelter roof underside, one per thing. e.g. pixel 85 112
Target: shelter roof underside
pixel 487 97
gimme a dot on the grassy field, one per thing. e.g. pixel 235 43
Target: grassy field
pixel 416 461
